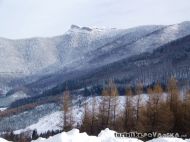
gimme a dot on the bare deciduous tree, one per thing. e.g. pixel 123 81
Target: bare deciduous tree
pixel 67 109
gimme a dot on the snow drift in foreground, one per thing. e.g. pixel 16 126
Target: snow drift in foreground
pixel 74 136
pixel 3 140
pixel 168 140
pixel 104 136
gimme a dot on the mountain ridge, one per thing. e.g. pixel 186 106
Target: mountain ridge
pixel 48 62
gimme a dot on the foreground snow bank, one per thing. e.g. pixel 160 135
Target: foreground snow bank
pixel 74 136
pixel 168 140
pixel 104 136
pixel 3 140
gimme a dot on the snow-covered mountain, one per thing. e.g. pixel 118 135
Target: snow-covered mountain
pixel 39 64
pixel 32 56
pixel 44 55
pixel 40 56
pixel 35 71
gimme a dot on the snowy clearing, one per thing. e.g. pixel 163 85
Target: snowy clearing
pixel 48 122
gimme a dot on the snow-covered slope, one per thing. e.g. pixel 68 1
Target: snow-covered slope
pixel 40 117
pixel 45 123
pixel 125 47
pixel 36 57
pixel 48 122
pixel 29 56
pixel 79 45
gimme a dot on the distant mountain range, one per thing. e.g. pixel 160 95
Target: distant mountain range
pixel 91 56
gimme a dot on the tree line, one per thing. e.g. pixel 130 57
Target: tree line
pixel 161 111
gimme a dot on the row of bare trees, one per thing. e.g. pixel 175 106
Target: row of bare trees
pixel 158 111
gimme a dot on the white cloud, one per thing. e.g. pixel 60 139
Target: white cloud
pixel 27 18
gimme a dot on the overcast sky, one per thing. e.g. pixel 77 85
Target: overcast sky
pixel 30 18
